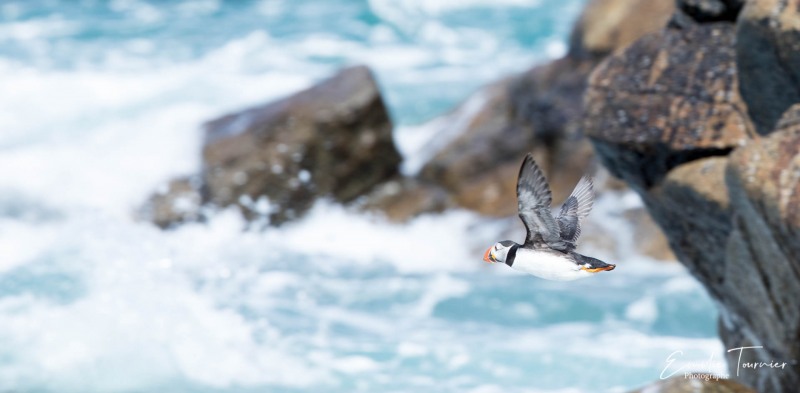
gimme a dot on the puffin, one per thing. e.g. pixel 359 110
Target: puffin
pixel 549 248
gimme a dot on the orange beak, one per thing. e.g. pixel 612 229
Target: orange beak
pixel 487 256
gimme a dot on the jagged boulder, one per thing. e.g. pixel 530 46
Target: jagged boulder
pixel 669 98
pixel 333 140
pixel 768 56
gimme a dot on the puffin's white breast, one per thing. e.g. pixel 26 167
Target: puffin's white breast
pixel 548 265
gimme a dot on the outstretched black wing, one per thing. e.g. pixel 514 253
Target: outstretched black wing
pixel 574 210
pixel 534 199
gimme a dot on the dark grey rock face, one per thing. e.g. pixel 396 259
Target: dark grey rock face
pixel 768 55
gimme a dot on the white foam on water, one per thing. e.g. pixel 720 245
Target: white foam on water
pixel 37 29
pixel 331 231
pixel 138 320
pixel 643 310
pixel 22 243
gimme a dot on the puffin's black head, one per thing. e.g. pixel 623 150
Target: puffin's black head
pixel 504 251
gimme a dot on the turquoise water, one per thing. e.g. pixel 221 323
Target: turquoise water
pixel 102 103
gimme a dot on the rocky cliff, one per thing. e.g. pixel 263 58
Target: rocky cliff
pixel 699 119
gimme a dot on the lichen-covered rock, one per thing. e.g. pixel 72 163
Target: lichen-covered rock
pixel 685 385
pixel 669 98
pixel 332 140
pixel 768 56
pixel 178 201
pixel 763 268
pixel 608 25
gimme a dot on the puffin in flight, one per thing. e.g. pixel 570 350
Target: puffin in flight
pixel 548 251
